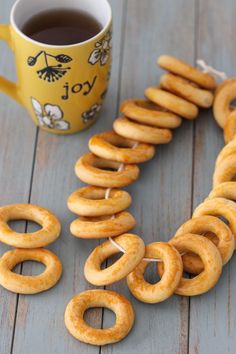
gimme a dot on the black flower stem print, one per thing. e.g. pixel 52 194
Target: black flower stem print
pixel 50 73
pixel 45 57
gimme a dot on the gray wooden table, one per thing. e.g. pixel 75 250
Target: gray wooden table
pixel 37 167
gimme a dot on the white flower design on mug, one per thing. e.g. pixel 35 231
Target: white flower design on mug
pixel 102 50
pixel 50 116
pixel 91 112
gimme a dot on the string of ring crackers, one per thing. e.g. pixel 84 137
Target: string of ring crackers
pixel 206 241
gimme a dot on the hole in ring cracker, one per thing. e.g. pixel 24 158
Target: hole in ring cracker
pixel 203 225
pixel 50 231
pixel 78 328
pixel 103 226
pixel 224 95
pixel 24 284
pixel 154 293
pixel 111 146
pixel 91 169
pixel 134 252
pixel 140 132
pixel 210 257
pixel 146 112
pixel 90 201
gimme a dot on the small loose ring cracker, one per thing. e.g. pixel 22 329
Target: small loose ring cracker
pixel 134 252
pixel 219 207
pixel 179 67
pixel 140 132
pixel 203 225
pixel 110 146
pixel 91 201
pixel 146 112
pixel 103 226
pixel 230 127
pixel 211 260
pixel 24 284
pixel 172 102
pixel 224 95
pixel 49 232
pixel 78 328
pixel 92 170
pixel 187 90
pixel 173 268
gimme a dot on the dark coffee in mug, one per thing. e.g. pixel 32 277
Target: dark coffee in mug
pixel 61 27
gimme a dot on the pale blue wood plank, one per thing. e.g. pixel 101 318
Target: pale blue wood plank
pixel 16 158
pixel 162 195
pixel 212 316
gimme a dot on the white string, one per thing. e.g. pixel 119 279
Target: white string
pixel 123 251
pixel 209 69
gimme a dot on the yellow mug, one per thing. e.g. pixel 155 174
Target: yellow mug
pixel 62 87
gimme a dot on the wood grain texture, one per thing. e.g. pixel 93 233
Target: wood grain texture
pixel 16 161
pixel 212 317
pixel 40 318
pixel 162 195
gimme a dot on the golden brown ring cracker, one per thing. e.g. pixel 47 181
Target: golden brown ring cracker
pixel 25 284
pixel 230 127
pixel 147 112
pixel 187 90
pixel 92 170
pixel 203 225
pixel 220 207
pixel 225 190
pixel 224 95
pixel 92 201
pixel 160 291
pixel 49 232
pixel 102 226
pixel 78 328
pixel 140 132
pixel 211 260
pixel 181 68
pixel 172 102
pixel 225 170
pixel 111 146
pixel 134 249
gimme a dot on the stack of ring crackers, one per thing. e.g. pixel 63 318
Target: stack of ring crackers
pixel 201 246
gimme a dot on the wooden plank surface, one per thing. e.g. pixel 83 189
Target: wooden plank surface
pixel 16 160
pixel 212 318
pixel 39 169
pixel 162 195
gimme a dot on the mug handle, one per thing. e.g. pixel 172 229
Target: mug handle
pixel 6 86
